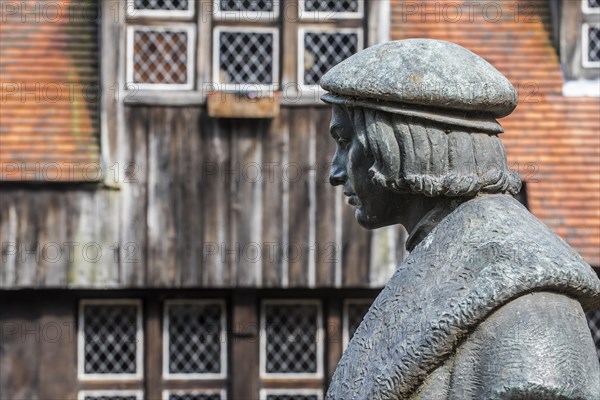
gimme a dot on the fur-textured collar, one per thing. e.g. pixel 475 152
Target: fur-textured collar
pixel 485 253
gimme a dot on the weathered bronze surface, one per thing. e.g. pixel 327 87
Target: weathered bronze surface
pixel 490 303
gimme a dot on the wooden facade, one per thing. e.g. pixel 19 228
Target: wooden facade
pixel 202 203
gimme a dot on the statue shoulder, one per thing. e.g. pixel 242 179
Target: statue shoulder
pixel 536 346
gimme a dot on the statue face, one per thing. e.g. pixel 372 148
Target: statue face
pixel 375 206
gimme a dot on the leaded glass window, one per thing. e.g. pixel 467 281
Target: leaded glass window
pixel 291 394
pixel 322 50
pixel 195 339
pixel 247 5
pixel 593 48
pixel 160 8
pixel 245 57
pixel 194 395
pixel 161 57
pixel 110 339
pixel 291 342
pixel 331 5
pixel 331 9
pixel 110 395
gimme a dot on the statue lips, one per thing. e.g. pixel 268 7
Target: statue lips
pixel 353 200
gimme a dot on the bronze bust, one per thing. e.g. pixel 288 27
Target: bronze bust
pixel 490 303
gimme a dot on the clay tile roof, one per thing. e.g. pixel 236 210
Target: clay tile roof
pixel 553 141
pixel 48 86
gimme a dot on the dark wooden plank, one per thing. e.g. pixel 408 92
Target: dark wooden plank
pixel 132 175
pixel 8 233
pixel 189 167
pixel 328 250
pixel 51 235
pixel 296 176
pixel 246 201
pixel 57 360
pixel 92 221
pixel 272 185
pixel 14 220
pixel 163 210
pixel 152 348
pixel 29 222
pixel 356 243
pixel 19 358
pixel 243 357
pixel 215 180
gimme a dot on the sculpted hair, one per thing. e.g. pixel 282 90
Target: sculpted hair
pixel 421 156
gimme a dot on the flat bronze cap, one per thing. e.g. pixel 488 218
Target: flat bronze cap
pixel 422 74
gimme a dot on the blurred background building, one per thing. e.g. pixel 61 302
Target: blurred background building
pixel 167 226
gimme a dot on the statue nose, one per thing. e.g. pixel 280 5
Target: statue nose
pixel 337 176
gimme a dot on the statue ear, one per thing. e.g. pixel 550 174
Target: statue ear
pixel 383 146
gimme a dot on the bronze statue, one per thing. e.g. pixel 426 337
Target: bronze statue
pixel 490 303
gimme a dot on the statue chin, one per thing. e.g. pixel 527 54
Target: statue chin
pixel 368 221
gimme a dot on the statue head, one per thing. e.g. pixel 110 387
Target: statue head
pixel 415 123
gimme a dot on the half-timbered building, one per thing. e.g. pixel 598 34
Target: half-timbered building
pixel 167 225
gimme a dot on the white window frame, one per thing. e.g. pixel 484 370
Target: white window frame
pixel 319 29
pixel 587 9
pixel 585 44
pixel 139 337
pixel 139 394
pixel 346 320
pixel 321 16
pixel 190 29
pixel 291 392
pixel 241 87
pixel 165 338
pixel 263 340
pixel 246 16
pixel 133 13
pixel 167 392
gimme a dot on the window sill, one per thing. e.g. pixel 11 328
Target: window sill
pixel 195 98
pixel 582 88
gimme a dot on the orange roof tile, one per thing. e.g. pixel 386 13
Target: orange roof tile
pixel 48 91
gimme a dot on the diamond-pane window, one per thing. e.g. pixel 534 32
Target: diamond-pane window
pixel 195 338
pixel 161 57
pixel 246 5
pixel 160 8
pixel 331 9
pixel 110 395
pixel 110 339
pixel 247 10
pixel 594 44
pixel 323 50
pixel 331 5
pixel 292 397
pixel 161 4
pixel 591 5
pixel 290 394
pixel 195 395
pixel 246 57
pixel 355 311
pixel 594 323
pixel 290 341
